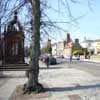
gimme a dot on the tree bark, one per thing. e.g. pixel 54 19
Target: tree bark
pixel 33 84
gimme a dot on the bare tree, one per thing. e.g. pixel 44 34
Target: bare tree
pixel 33 84
pixel 39 23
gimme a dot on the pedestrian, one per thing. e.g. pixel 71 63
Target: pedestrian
pixel 47 62
pixel 70 59
pixel 62 56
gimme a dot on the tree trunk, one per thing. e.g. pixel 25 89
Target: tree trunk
pixel 32 84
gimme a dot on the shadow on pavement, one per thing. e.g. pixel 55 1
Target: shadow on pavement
pixel 51 67
pixel 12 76
pixel 79 87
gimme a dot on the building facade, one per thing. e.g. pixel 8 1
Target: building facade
pixel 13 42
pixel 57 48
pixel 54 49
pixel 76 45
pixel 62 48
pixel 92 45
pixel 97 46
pixel 89 45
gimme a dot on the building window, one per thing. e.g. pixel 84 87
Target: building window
pixel 13 50
pixel 16 48
pixel 22 44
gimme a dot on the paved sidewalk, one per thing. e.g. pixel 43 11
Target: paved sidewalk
pixel 71 84
pixel 64 83
pixel 9 83
pixel 97 60
pixel 91 60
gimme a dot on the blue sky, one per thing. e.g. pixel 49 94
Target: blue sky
pixel 88 25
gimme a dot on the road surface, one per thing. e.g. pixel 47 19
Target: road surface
pixel 91 67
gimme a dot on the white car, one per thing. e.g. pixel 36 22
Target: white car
pixel 76 57
pixel 55 56
pixel 67 57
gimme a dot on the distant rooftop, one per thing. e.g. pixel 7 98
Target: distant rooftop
pixel 97 40
pixel 88 41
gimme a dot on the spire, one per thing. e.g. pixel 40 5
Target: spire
pixel 85 38
pixel 68 38
pixel 15 15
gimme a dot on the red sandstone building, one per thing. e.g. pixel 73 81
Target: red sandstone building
pixel 12 44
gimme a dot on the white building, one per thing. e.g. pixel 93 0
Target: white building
pixel 54 49
pixel 62 48
pixel 87 44
pixel 97 46
pixel 57 48
pixel 92 45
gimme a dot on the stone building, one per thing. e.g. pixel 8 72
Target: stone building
pixel 63 47
pixel 13 42
pixel 97 46
pixel 54 49
pixel 57 48
pixel 67 46
pixel 76 45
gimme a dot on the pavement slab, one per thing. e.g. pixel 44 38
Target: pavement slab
pixel 74 97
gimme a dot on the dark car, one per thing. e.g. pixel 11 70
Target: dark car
pixel 52 61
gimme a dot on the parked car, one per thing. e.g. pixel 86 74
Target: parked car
pixel 55 56
pixel 76 57
pixel 67 57
pixel 43 58
pixel 52 60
